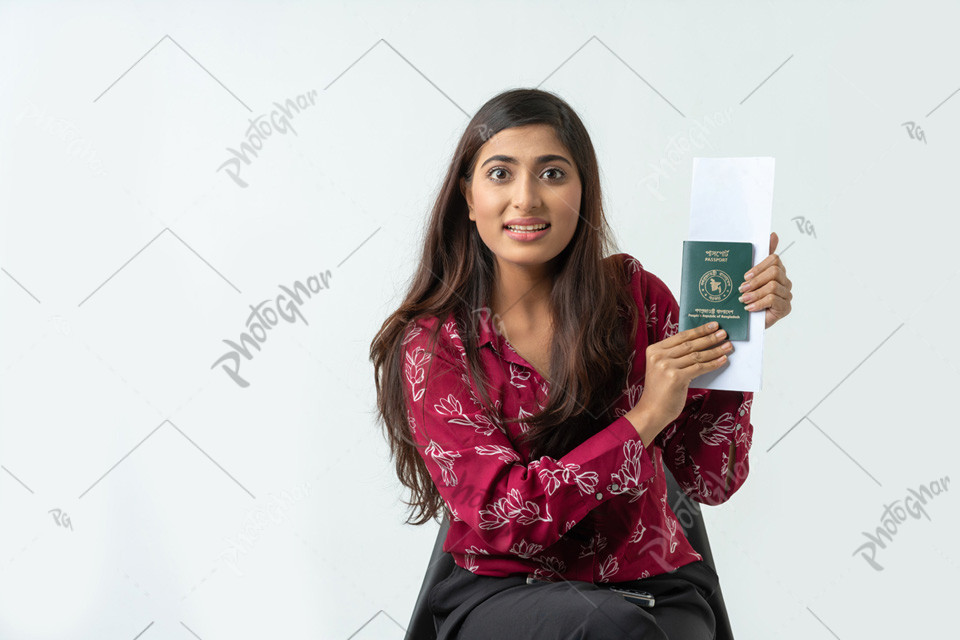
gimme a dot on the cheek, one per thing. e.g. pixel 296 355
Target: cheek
pixel 573 202
pixel 569 209
pixel 488 223
pixel 570 228
pixel 488 200
pixel 568 200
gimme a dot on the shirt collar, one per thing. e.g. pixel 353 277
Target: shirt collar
pixel 487 334
pixel 483 321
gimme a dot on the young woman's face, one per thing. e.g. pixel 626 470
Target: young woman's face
pixel 524 172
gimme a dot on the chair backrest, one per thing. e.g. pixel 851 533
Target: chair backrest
pixel 423 627
pixel 691 519
pixel 422 624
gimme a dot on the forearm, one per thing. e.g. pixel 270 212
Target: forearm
pixel 647 423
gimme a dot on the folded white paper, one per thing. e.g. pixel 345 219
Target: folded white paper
pixel 732 200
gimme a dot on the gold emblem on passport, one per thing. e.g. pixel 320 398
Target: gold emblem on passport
pixel 716 285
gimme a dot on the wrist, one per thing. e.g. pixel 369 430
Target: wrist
pixel 646 423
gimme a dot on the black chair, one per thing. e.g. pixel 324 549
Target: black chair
pixel 423 626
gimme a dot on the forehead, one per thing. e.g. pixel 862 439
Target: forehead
pixel 526 141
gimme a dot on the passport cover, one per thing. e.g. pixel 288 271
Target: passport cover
pixel 710 280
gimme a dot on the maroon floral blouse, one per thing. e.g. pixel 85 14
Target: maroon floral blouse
pixel 598 513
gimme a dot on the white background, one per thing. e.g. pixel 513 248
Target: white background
pixel 193 507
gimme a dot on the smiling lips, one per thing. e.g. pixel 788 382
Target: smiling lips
pixel 527 233
pixel 527 227
pixel 525 222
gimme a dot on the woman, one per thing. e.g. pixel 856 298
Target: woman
pixel 523 392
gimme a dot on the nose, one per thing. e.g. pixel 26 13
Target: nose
pixel 526 193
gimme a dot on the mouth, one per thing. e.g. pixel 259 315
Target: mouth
pixel 527 228
pixel 526 233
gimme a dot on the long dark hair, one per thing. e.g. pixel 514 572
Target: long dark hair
pixel 590 358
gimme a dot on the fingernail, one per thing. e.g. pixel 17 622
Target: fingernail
pixel 744 286
pixel 748 276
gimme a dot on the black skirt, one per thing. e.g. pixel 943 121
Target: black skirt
pixel 468 606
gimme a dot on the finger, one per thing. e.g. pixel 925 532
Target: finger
pixel 701 343
pixel 773 274
pixel 691 364
pixel 775 271
pixel 770 301
pixel 685 335
pixel 765 264
pixel 777 311
pixel 781 306
pixel 773 287
pixel 695 343
pixel 773 258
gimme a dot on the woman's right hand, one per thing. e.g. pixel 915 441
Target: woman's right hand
pixel 670 366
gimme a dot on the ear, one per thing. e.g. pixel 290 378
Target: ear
pixel 467 195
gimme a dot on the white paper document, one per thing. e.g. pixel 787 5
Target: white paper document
pixel 732 200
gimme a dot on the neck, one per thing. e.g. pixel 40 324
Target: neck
pixel 521 294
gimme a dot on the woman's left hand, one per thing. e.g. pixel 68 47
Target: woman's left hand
pixel 768 287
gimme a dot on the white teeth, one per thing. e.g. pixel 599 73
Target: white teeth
pixel 532 227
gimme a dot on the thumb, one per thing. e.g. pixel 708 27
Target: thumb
pixel 774 239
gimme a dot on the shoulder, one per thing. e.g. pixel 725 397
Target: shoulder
pixel 644 284
pixel 652 296
pixel 418 336
pixel 627 262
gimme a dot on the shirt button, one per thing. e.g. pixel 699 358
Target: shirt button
pixel 599 496
pixel 615 487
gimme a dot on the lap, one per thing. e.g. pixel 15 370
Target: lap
pixel 476 607
pixel 569 610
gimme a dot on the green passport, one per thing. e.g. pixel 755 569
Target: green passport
pixel 710 282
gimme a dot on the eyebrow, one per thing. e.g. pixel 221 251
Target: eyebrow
pixel 512 160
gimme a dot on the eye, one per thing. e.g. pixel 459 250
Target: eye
pixel 492 171
pixel 560 171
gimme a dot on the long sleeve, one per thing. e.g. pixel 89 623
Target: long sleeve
pixel 712 429
pixel 481 477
